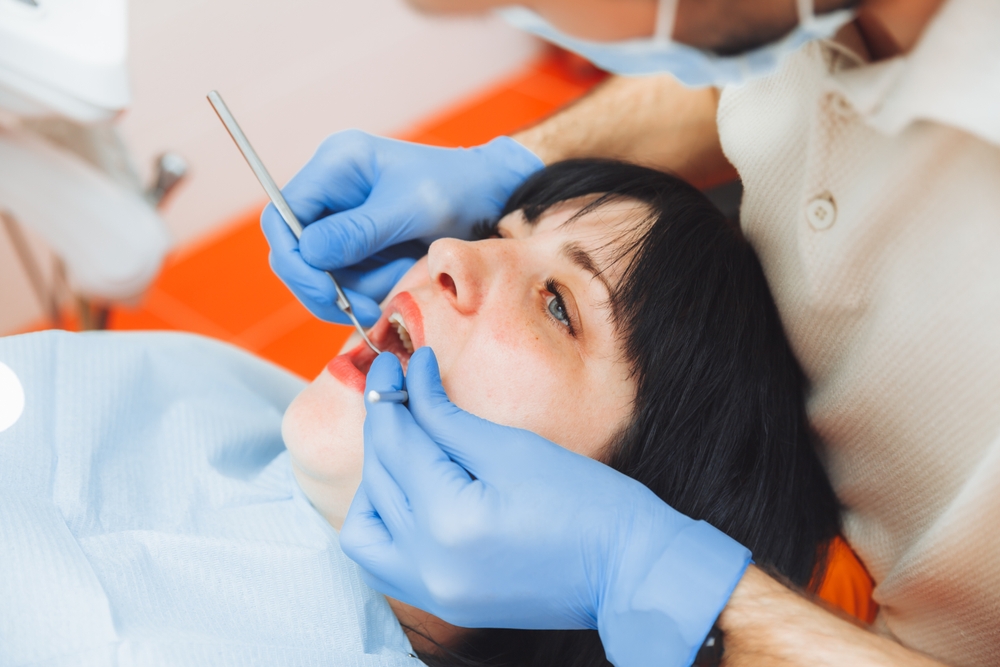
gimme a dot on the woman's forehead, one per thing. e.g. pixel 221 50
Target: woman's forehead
pixel 607 233
pixel 579 218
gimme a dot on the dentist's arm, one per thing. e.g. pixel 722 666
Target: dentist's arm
pixel 770 625
pixel 652 120
pixel 488 526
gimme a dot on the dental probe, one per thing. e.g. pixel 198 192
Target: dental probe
pixel 388 396
pixel 272 190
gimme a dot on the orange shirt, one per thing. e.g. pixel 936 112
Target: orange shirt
pixel 847 584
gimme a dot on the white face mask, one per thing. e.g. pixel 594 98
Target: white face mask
pixel 692 66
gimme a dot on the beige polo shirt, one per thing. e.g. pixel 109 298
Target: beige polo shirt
pixel 872 194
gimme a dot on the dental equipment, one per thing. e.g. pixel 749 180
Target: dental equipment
pixel 66 175
pixel 388 396
pixel 274 193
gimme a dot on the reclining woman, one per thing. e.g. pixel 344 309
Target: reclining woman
pixel 611 310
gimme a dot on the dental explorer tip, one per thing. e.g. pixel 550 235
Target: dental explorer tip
pixel 388 396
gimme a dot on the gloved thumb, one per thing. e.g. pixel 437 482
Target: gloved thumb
pixel 385 374
pixel 461 435
pixel 349 237
pixel 423 369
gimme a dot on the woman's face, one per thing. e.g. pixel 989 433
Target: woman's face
pixel 522 329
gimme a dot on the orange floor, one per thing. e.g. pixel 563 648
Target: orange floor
pixel 200 291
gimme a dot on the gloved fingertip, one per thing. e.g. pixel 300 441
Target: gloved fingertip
pixel 423 368
pixel 396 269
pixel 423 381
pixel 518 153
pixel 367 321
pixel 385 374
pixel 366 310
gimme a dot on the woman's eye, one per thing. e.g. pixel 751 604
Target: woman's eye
pixel 557 309
pixel 556 305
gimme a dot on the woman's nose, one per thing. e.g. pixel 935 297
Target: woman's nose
pixel 461 271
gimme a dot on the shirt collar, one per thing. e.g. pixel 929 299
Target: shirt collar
pixel 952 75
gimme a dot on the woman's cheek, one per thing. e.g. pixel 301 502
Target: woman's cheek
pixel 323 430
pixel 517 383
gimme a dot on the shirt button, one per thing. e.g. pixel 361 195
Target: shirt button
pixel 821 212
pixel 839 106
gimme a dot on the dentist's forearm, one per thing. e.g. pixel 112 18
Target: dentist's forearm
pixel 766 623
pixel 654 121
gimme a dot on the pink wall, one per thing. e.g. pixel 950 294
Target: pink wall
pixel 293 71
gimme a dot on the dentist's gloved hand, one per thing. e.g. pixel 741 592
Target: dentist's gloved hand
pixel 489 526
pixel 370 205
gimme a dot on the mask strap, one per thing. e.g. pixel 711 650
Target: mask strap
pixel 665 13
pixel 806 10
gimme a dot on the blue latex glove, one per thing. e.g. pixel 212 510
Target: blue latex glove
pixel 490 526
pixel 370 205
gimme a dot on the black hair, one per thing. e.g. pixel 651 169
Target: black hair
pixel 718 429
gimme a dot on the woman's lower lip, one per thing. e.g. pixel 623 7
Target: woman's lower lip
pixel 343 368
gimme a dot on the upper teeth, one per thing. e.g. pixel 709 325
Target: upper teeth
pixel 396 320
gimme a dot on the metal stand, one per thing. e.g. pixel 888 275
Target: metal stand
pixel 93 316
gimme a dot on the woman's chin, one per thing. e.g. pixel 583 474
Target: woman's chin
pixel 323 429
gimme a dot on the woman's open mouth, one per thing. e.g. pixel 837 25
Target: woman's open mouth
pixel 399 330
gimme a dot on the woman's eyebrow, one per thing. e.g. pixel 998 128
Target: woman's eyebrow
pixel 583 259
